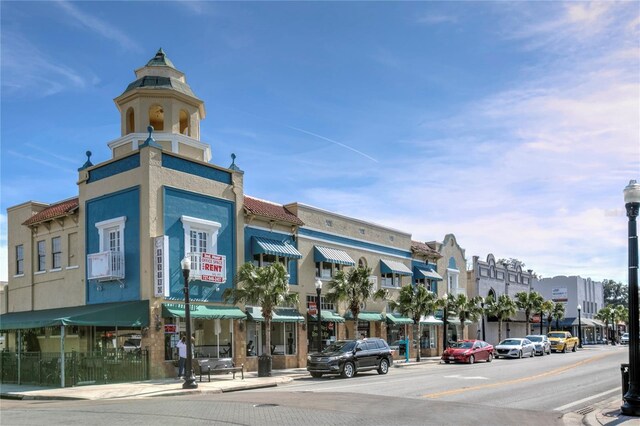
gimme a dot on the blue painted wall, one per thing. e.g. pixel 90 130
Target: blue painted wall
pixel 452 263
pixel 186 166
pixel 248 253
pixel 424 265
pixel 177 203
pixel 110 206
pixel 353 243
pixel 114 168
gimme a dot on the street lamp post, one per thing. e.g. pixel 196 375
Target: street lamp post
pixel 189 380
pixel 631 404
pixel 484 337
pixel 580 326
pixel 444 319
pixel 318 290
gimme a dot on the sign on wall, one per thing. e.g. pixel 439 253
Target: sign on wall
pixel 161 266
pixel 559 294
pixel 214 268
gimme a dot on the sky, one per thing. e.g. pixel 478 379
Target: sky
pixel 513 125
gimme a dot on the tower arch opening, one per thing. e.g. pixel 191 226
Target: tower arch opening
pixel 156 117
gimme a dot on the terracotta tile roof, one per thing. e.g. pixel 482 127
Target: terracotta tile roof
pixel 62 208
pixel 422 248
pixel 270 210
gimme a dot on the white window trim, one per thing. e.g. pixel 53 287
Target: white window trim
pixel 454 274
pixel 209 226
pixel 55 270
pixel 18 276
pixel 111 223
pixel 72 267
pixel 39 272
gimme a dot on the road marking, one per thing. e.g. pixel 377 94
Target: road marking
pixel 458 376
pixel 571 404
pixel 520 380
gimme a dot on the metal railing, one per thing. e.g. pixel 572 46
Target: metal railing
pixel 80 368
pixel 105 265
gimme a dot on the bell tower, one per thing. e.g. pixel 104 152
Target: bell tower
pixel 160 97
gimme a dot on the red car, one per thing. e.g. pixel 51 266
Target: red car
pixel 468 351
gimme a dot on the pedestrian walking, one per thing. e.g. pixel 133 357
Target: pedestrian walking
pixel 182 357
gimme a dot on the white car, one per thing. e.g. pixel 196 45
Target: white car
pixel 624 339
pixel 541 343
pixel 515 348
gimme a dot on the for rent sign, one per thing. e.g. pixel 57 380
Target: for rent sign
pixel 214 268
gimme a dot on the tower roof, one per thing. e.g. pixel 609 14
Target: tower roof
pixel 160 60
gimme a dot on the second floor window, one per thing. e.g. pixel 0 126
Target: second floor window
pixel 424 283
pixel 391 280
pixel 327 270
pixel 264 259
pixel 56 253
pixel 42 257
pixel 200 236
pixel 324 304
pixel 19 259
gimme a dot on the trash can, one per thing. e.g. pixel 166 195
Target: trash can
pixel 264 366
pixel 624 370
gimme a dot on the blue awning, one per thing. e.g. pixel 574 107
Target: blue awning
pixel 326 254
pixel 393 267
pixel 277 248
pixel 426 273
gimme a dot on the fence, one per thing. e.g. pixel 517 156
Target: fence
pixel 80 368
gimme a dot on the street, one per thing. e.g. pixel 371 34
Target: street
pixel 505 392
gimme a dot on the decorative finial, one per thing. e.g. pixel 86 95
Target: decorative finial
pixel 150 141
pixel 233 165
pixel 87 163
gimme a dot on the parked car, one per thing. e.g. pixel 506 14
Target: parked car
pixel 349 357
pixel 132 345
pixel 515 348
pixel 541 343
pixel 562 341
pixel 624 340
pixel 468 351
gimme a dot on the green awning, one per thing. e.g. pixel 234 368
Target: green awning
pixel 398 320
pixel 279 314
pixel 327 316
pixel 277 248
pixel 426 273
pixel 326 254
pixel 456 321
pixel 365 316
pixel 430 320
pixel 393 267
pixel 118 314
pixel 202 311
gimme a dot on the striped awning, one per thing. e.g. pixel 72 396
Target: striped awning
pixel 279 314
pixel 327 316
pixel 397 319
pixel 326 254
pixel 365 316
pixel 426 273
pixel 430 320
pixel 277 248
pixel 393 267
pixel 202 311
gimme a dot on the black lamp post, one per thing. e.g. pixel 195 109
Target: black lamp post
pixel 318 291
pixel 484 337
pixel 189 380
pixel 580 326
pixel 631 404
pixel 445 297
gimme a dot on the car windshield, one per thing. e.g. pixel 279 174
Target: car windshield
pixel 535 338
pixel 343 346
pixel 561 335
pixel 462 345
pixel 510 342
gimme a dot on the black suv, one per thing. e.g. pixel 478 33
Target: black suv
pixel 348 357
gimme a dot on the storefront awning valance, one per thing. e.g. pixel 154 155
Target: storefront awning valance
pixel 326 254
pixel 327 316
pixel 276 248
pixel 119 314
pixel 365 316
pixel 456 321
pixel 393 267
pixel 426 273
pixel 397 319
pixel 202 311
pixel 430 320
pixel 279 314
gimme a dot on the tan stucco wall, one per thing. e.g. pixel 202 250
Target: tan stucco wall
pixel 450 248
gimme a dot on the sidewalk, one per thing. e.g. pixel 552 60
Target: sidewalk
pixel 608 412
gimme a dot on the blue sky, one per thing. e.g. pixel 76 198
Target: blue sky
pixel 514 126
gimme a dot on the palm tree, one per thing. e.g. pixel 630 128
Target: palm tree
pixel 546 310
pixel 415 302
pixel 605 314
pixel 620 313
pixel 468 309
pixel 355 289
pixel 503 308
pixel 558 313
pixel 267 287
pixel 446 302
pixel 529 302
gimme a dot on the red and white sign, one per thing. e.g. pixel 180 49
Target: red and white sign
pixel 170 328
pixel 214 268
pixel 312 308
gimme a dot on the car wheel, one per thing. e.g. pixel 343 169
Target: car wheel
pixel 564 349
pixel 575 348
pixel 549 352
pixel 384 367
pixel 490 358
pixel 446 361
pixel 533 353
pixel 316 375
pixel 348 371
pixel 472 359
pixel 520 354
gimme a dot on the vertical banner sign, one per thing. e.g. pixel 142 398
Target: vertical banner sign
pixel 214 268
pixel 161 266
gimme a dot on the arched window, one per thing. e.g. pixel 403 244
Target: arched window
pixel 156 118
pixel 492 294
pixel 184 123
pixel 130 121
pixel 362 262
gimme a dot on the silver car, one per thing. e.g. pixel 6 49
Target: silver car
pixel 541 343
pixel 515 348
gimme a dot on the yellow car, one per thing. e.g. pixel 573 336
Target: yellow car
pixel 562 341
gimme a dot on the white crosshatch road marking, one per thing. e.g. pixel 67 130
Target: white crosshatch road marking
pixel 458 376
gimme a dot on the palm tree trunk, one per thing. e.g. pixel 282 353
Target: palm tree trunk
pixel 499 331
pixel 267 330
pixel 419 343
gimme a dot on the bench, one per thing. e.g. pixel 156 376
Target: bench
pixel 217 366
